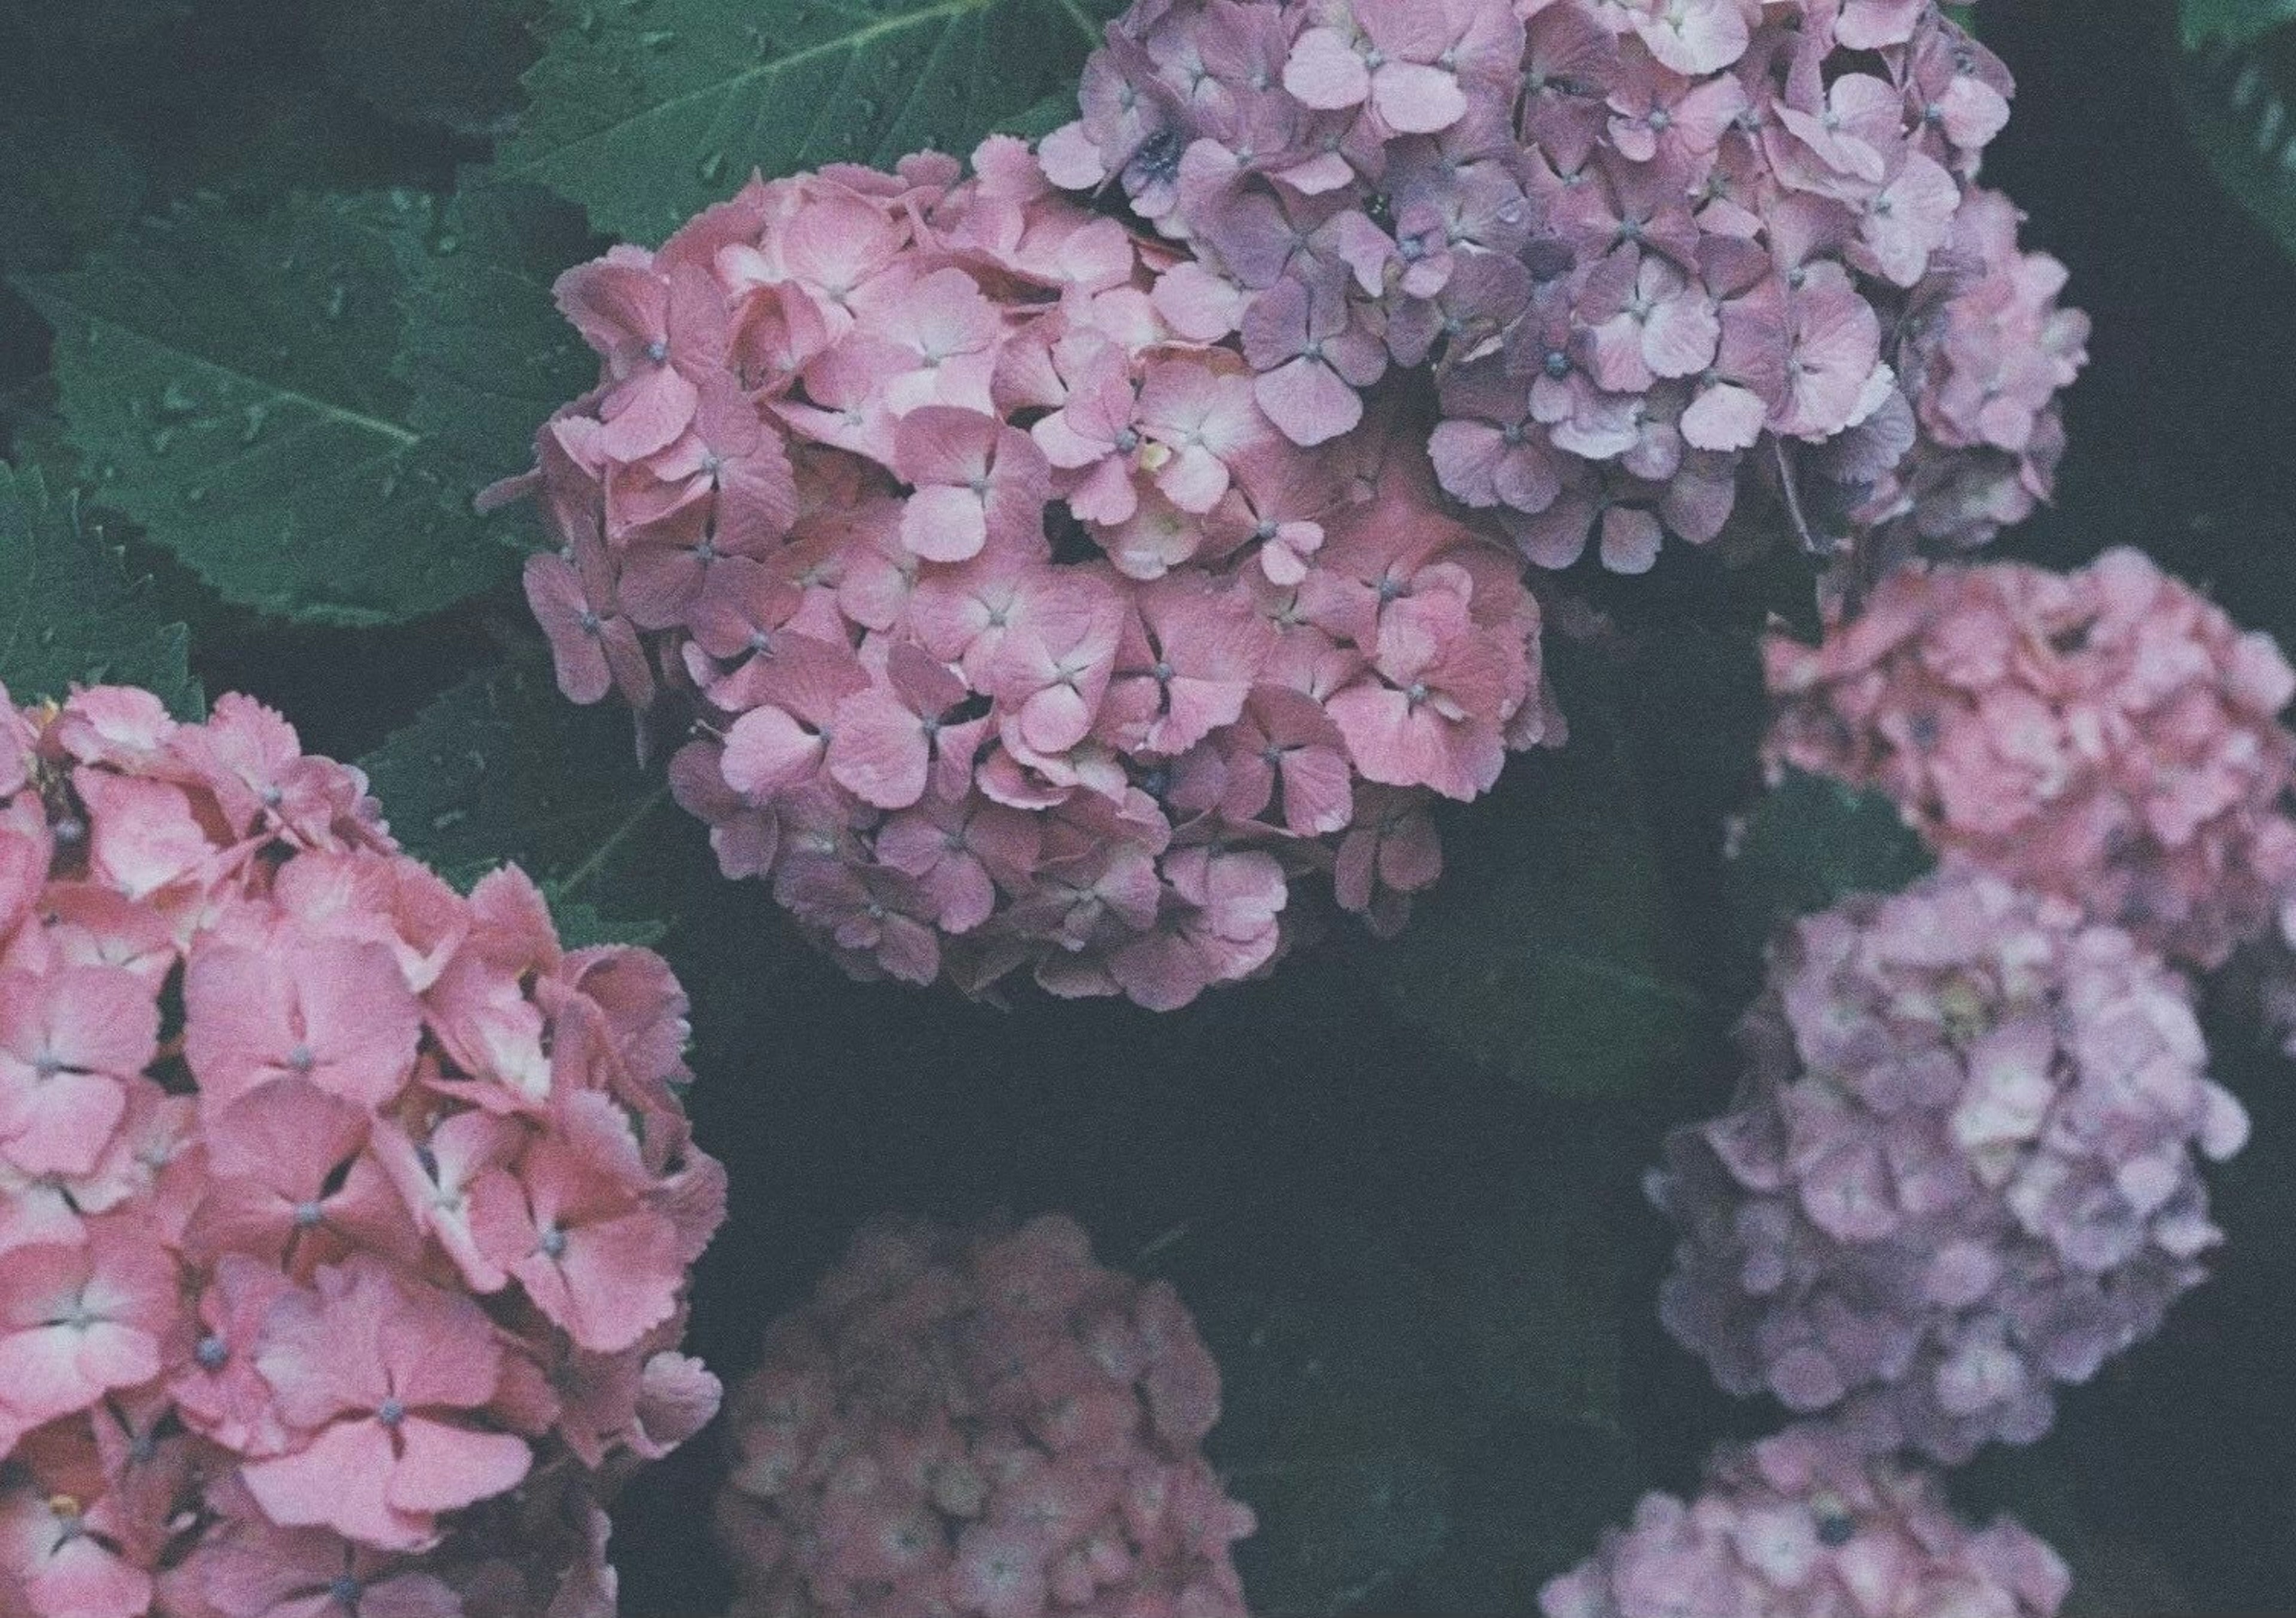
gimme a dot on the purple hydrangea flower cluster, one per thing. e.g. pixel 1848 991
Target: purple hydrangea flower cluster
pixel 1958 1172
pixel 1803 1525
pixel 1656 251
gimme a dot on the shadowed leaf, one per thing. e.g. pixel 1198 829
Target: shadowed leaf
pixel 503 769
pixel 227 381
pixel 71 614
pixel 645 115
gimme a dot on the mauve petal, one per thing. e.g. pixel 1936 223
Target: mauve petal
pixel 646 414
pixel 85 1578
pixel 555 593
pixel 1724 417
pixel 340 1480
pixel 767 750
pixel 943 444
pixel 60 1124
pixel 1695 37
pixel 941 523
pixel 614 304
pixel 1681 336
pixel 1325 73
pixel 1631 539
pixel 1054 719
pixel 443 1468
pixel 1308 401
pixel 1318 791
pixel 1414 99
pixel 359 1017
pixel 880 752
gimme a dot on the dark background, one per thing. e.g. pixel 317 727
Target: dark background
pixel 1429 1287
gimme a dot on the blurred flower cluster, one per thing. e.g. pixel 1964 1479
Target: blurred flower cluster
pixel 980 1424
pixel 1016 635
pixel 345 1221
pixel 1958 1172
pixel 1661 255
pixel 2108 734
pixel 1802 1526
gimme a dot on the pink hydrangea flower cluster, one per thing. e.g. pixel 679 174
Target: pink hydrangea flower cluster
pixel 985 1424
pixel 1648 247
pixel 1959 1170
pixel 1803 1525
pixel 2107 734
pixel 344 1220
pixel 1015 633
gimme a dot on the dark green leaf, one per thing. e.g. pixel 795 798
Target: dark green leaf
pixel 2237 103
pixel 455 64
pixel 580 925
pixel 1538 953
pixel 70 613
pixel 1535 1292
pixel 1811 841
pixel 503 769
pixel 646 114
pixel 65 183
pixel 97 25
pixel 228 381
pixel 485 354
pixel 2234 21
pixel 1336 1412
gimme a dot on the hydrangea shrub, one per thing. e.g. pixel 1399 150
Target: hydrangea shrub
pixel 980 1424
pixel 344 1220
pixel 1802 1525
pixel 1012 632
pixel 1959 1170
pixel 1660 258
pixel 2107 734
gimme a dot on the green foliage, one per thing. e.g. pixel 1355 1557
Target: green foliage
pixel 72 614
pixel 645 113
pixel 2237 86
pixel 1810 842
pixel 228 379
pixel 66 182
pixel 1337 1416
pixel 486 356
pixel 501 769
pixel 97 24
pixel 1540 951
pixel 2234 21
pixel 454 63
pixel 1424 1408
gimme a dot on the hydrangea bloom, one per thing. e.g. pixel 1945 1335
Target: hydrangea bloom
pixel 2108 734
pixel 1959 1171
pixel 986 1424
pixel 1654 250
pixel 1013 632
pixel 344 1220
pixel 1802 1526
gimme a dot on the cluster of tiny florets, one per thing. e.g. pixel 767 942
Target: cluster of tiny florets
pixel 987 1424
pixel 1803 1526
pixel 1959 1171
pixel 1013 634
pixel 2108 734
pixel 1650 248
pixel 344 1220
